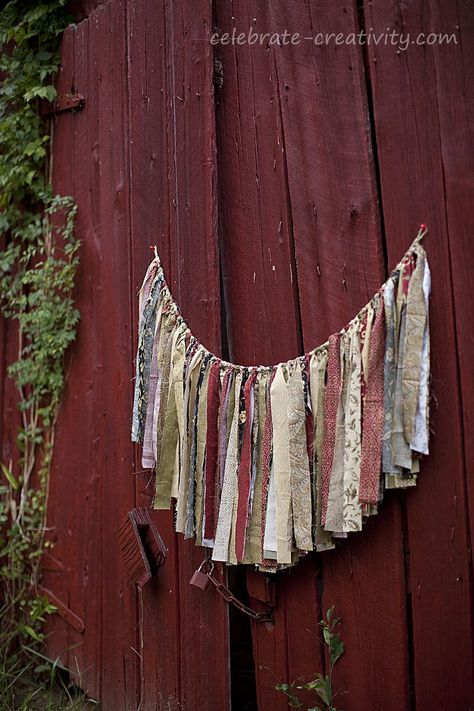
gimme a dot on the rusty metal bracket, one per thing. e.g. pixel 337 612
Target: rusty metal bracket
pixel 64 102
pixel 142 546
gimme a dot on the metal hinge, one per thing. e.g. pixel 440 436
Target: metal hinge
pixel 64 102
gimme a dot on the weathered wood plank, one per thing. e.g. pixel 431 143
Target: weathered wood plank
pixel 173 205
pixel 149 224
pixel 339 261
pixel 259 277
pixel 414 189
pixel 65 521
pixel 255 232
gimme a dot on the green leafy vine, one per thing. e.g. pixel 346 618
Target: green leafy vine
pixel 321 685
pixel 38 264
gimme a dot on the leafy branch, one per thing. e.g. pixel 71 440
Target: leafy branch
pixel 38 265
pixel 322 683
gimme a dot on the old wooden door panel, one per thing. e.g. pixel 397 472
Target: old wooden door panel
pixel 339 258
pixel 300 237
pixel 259 283
pixel 320 111
pixel 92 482
pixel 172 171
pixel 416 126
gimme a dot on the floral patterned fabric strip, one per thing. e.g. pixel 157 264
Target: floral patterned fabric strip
pixel 267 463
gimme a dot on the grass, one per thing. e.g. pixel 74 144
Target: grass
pixel 41 685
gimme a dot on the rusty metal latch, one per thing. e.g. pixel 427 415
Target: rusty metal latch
pixel 204 575
pixel 64 102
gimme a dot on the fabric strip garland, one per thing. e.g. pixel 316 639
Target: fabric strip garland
pixel 267 463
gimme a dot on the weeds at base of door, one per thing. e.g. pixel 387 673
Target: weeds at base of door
pixel 321 685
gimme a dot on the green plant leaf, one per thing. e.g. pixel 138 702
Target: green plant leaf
pixel 9 476
pixel 322 687
pixel 293 700
pixel 32 633
pixel 336 648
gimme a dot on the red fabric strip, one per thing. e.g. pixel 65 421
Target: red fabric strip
pixel 408 269
pixel 331 401
pixel 373 415
pixel 244 474
pixel 211 449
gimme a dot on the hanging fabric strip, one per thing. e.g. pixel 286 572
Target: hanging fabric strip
pixel 267 463
pixel 253 549
pixel 245 469
pixel 419 442
pixel 352 510
pixel 331 402
pixel 224 523
pixel 201 436
pixel 390 374
pixel 323 540
pixel 213 387
pixel 334 512
pixel 150 296
pixel 300 482
pixel 281 465
pixel 192 366
pixel 149 442
pixel 415 328
pixel 372 426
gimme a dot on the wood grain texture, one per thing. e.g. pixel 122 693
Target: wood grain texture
pixel 339 257
pixel 418 161
pixel 91 504
pixel 172 174
pixel 160 673
pixel 60 581
pixel 273 177
pixel 255 223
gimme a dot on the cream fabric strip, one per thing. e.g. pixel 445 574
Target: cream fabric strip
pixel 226 509
pixel 281 465
pixel 334 514
pixel 352 510
pixel 300 481
pixel 177 378
pixel 419 442
pixel 412 357
pixel 390 374
pixel 270 536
